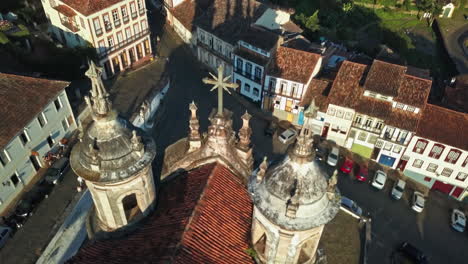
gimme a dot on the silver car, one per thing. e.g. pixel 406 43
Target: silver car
pixel 398 189
pixel 458 220
pixel 332 159
pixel 418 202
pixel 379 180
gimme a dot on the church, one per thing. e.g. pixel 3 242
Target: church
pixel 210 205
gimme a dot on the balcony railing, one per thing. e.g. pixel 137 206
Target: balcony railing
pixel 125 19
pixel 98 31
pixel 367 128
pixel 108 27
pixel 117 22
pixel 70 25
pixel 142 11
pixel 103 52
pixel 134 15
pixel 248 76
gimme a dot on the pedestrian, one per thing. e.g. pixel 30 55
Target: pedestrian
pixel 157 39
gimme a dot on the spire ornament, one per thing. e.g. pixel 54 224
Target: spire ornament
pixel 221 83
pixel 193 123
pixel 245 132
pixel 99 96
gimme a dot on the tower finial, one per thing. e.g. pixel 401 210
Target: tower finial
pixel 99 96
pixel 220 83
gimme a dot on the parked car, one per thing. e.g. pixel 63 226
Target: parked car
pixel 379 180
pixel 398 189
pixel 413 253
pixel 25 207
pixel 332 159
pixel 347 166
pixel 270 129
pixel 55 173
pixel 458 220
pixel 418 202
pixel 362 173
pixel 351 205
pixel 5 234
pixel 287 136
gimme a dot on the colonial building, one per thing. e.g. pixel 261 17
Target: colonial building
pixel 219 29
pixel 438 155
pixel 35 116
pixel 251 57
pixel 382 109
pixel 114 158
pixel 117 29
pixel 205 212
pixel 287 80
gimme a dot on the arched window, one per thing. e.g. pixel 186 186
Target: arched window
pixel 130 205
pixel 420 146
pixel 307 251
pixel 436 151
pixel 453 156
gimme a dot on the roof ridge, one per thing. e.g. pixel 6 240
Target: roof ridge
pixel 416 77
pixel 301 51
pixel 215 166
pixel 393 64
pixel 447 109
pixel 32 77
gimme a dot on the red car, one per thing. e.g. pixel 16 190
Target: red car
pixel 362 174
pixel 347 166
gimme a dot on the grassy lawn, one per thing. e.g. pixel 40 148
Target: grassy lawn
pixel 342 235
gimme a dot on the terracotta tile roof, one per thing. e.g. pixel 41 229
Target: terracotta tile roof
pixel 21 99
pixel 403 119
pixel 88 7
pixel 65 10
pixel 443 125
pixel 204 216
pixel 346 89
pixel 260 38
pixel 187 12
pixel 228 19
pixel 294 65
pixel 317 89
pixel 384 78
pixel 374 107
pixel 414 91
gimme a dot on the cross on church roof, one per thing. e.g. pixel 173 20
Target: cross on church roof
pixel 220 83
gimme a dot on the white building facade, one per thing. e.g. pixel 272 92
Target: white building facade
pixel 119 32
pixel 438 166
pixel 22 155
pixel 213 51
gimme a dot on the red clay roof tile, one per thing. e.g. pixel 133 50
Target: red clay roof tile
pixel 21 99
pixel 384 78
pixel 443 125
pixel 346 89
pixel 414 91
pixel 65 10
pixel 294 65
pixel 88 7
pixel 204 216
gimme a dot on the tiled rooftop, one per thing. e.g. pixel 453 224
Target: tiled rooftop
pixel 414 91
pixel 294 65
pixel 443 125
pixel 188 11
pixel 260 38
pixel 374 107
pixel 204 216
pixel 65 10
pixel 403 119
pixel 21 99
pixel 384 78
pixel 316 90
pixel 228 19
pixel 88 7
pixel 345 90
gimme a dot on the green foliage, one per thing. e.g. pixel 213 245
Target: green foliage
pixel 251 252
pixel 407 4
pixel 312 22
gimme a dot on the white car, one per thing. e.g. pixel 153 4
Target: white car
pixel 379 180
pixel 458 220
pixel 418 202
pixel 288 135
pixel 332 159
pixel 398 188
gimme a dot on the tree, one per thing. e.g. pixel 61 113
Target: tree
pixel 313 22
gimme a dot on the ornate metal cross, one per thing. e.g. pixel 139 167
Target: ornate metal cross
pixel 220 83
